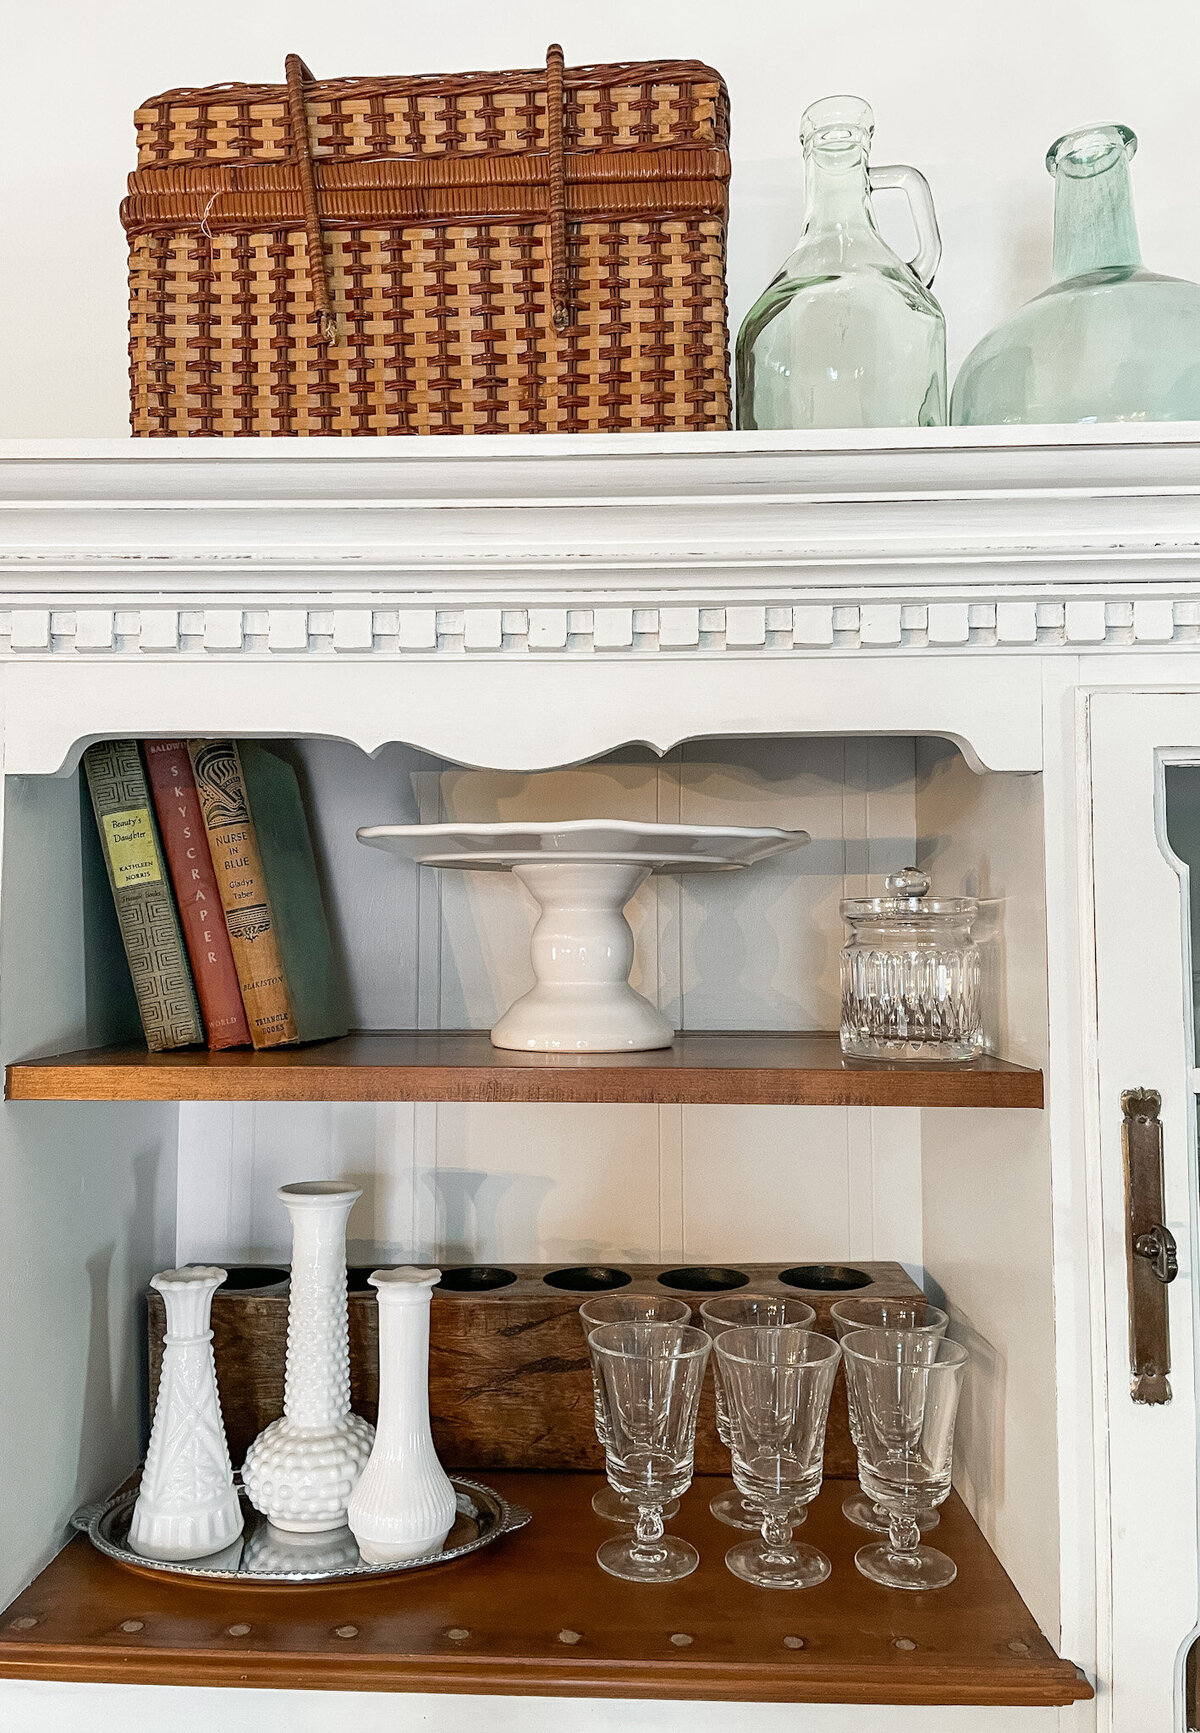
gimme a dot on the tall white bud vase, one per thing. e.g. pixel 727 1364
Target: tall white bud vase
pixel 404 1504
pixel 301 1469
pixel 186 1506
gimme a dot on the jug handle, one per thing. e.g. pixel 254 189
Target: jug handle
pixel 912 183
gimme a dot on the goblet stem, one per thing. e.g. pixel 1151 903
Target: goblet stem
pixel 647 1532
pixel 904 1533
pixel 777 1534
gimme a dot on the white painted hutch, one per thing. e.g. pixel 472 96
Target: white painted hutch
pixel 975 649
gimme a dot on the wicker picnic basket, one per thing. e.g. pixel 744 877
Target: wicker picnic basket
pixel 493 252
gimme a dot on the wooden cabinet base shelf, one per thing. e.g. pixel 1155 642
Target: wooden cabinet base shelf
pixel 536 1616
pixel 750 1069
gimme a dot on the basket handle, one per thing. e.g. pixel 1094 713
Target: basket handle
pixel 560 295
pixel 296 72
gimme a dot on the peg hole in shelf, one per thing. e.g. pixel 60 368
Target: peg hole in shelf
pixel 825 1278
pixel 238 1630
pixel 588 1279
pixel 570 1636
pixel 345 1631
pixel 681 1639
pixel 793 1642
pixel 132 1625
pixel 456 1633
pixel 25 1624
pixel 474 1279
pixel 903 1643
pixel 703 1279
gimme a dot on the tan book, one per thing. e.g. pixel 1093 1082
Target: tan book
pixel 242 883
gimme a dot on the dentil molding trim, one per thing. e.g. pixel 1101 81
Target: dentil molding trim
pixel 610 545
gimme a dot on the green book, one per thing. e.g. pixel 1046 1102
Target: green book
pixel 294 892
pixel 141 888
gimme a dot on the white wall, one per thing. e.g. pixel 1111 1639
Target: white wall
pixel 970 93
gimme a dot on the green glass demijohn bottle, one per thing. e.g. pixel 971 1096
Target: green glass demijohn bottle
pixel 1108 340
pixel 847 334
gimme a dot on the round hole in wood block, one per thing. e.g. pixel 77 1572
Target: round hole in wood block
pixel 251 1277
pixel 793 1642
pixel 345 1630
pixel 825 1278
pixel 588 1279
pixel 457 1634
pixel 704 1279
pixel 237 1630
pixel 1018 1647
pixel 570 1636
pixel 475 1279
pixel 903 1643
pixel 681 1639
pixel 25 1624
pixel 132 1625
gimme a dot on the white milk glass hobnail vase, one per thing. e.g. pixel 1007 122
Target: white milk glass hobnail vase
pixel 403 1505
pixel 187 1506
pixel 301 1470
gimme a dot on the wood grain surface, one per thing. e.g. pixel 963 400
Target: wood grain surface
pixel 535 1615
pixel 739 1068
pixel 509 1380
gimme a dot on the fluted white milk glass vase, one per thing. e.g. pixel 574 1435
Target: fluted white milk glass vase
pixel 187 1506
pixel 403 1505
pixel 301 1470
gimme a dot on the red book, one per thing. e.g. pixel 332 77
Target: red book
pixel 201 913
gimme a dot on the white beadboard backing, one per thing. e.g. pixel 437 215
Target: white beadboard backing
pixel 87 1200
pixel 570 1183
pixel 986 1177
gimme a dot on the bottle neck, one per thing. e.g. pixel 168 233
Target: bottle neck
pixel 404 1371
pixel 1094 226
pixel 838 192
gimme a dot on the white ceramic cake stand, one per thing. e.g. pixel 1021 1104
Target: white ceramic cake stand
pixel 581 874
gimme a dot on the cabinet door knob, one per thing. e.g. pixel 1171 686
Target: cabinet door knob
pixel 1158 1249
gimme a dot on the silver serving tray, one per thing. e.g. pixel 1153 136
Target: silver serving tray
pixel 268 1555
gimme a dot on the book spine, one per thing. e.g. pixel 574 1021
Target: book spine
pixel 185 844
pixel 137 873
pixel 242 884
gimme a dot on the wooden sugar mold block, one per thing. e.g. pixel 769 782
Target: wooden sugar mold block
pixel 510 1384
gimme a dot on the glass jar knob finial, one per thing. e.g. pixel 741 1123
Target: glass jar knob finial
pixel 908 882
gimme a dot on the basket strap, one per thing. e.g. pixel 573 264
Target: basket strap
pixel 560 295
pixel 296 73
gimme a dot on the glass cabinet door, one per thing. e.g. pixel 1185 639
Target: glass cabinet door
pixel 1145 833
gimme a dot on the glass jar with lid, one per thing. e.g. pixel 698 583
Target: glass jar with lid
pixel 910 974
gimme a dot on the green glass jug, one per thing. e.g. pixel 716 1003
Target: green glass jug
pixel 1108 340
pixel 847 334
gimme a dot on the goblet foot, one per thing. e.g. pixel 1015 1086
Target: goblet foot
pixel 613 1506
pixel 795 1566
pixel 735 1511
pixel 664 1560
pixel 919 1567
pixel 864 1513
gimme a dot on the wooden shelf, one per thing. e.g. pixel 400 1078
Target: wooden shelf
pixel 536 1616
pixel 745 1069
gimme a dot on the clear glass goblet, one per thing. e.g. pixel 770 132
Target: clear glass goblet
pixel 777 1388
pixel 651 1376
pixel 625 1309
pixel 904 1387
pixel 745 1311
pixel 913 1313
